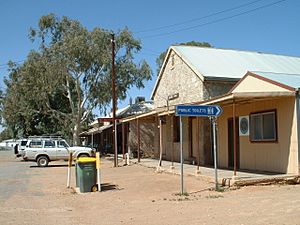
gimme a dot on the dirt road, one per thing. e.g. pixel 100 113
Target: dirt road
pixel 136 195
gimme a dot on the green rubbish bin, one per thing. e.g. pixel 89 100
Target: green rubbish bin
pixel 86 174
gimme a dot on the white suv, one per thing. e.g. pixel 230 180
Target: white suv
pixel 20 147
pixel 46 149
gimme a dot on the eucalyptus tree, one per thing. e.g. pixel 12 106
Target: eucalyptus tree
pixel 70 74
pixel 25 102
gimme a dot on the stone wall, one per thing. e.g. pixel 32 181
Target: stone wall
pixel 216 88
pixel 177 78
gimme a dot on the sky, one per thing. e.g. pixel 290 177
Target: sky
pixel 270 26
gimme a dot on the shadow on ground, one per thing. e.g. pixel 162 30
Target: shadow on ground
pixel 109 187
pixel 51 166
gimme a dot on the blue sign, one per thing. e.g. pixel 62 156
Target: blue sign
pixel 198 110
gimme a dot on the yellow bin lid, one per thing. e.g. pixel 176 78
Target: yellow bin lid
pixel 86 160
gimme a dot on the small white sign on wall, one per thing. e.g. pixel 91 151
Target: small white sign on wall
pixel 244 125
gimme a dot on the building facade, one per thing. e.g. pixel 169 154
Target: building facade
pixel 195 75
pixel 265 137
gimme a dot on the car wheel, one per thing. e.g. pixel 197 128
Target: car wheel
pixel 42 161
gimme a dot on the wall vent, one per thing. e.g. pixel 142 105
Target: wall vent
pixel 244 125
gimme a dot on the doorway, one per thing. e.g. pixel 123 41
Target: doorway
pixel 231 143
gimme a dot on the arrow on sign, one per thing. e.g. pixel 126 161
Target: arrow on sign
pixel 198 110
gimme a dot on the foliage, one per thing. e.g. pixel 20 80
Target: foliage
pixel 25 110
pixel 59 85
pixel 162 56
pixel 5 135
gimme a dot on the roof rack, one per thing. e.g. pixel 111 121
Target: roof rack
pixel 52 137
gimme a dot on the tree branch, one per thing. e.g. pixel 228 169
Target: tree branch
pixel 69 96
pixel 86 114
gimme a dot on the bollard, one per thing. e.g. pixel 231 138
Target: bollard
pixel 127 158
pixel 69 169
pixel 98 170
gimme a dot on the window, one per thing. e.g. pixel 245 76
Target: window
pixel 35 144
pixel 23 143
pixel 49 144
pixel 62 144
pixel 263 126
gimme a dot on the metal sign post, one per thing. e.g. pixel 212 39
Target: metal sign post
pixel 181 158
pixel 211 111
pixel 213 120
pixel 116 143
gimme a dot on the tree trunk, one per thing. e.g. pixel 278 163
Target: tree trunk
pixel 76 132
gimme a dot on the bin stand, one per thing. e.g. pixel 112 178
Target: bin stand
pixel 69 169
pixel 98 170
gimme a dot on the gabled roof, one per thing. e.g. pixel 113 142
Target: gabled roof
pixel 259 85
pixel 291 80
pixel 261 82
pixel 213 63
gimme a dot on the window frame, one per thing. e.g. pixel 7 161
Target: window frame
pixel 48 146
pixel 33 144
pixel 60 146
pixel 261 113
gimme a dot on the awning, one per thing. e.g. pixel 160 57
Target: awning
pixel 228 99
pixel 95 130
pixel 140 116
pixel 246 96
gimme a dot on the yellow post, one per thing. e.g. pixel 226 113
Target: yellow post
pixel 69 169
pixel 98 170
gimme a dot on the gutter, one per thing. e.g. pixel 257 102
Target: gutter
pixel 223 79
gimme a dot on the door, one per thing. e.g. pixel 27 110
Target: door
pixel 49 148
pixel 61 150
pixel 33 148
pixel 193 132
pixel 164 139
pixel 231 143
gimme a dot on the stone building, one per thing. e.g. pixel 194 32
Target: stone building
pixel 194 75
pixel 181 82
pixel 101 137
pixel 198 76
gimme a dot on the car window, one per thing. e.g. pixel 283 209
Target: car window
pixel 49 144
pixel 23 143
pixel 62 144
pixel 35 144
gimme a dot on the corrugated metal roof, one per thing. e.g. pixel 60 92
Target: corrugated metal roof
pixel 136 108
pixel 292 80
pixel 212 62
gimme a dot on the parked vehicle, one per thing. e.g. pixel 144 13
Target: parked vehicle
pixel 45 149
pixel 20 147
pixel 8 144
